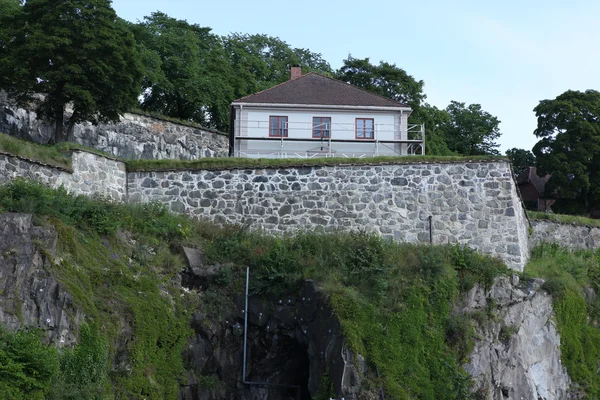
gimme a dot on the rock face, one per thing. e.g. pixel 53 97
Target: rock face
pixel 136 136
pixel 517 354
pixel 31 297
pixel 293 341
pixel 567 235
pixel 92 175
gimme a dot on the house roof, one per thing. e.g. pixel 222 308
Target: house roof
pixel 529 175
pixel 316 89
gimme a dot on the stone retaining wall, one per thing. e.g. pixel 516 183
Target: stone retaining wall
pixel 474 204
pixel 135 137
pixel 567 235
pixel 92 175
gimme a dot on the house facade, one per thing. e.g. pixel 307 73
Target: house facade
pixel 313 115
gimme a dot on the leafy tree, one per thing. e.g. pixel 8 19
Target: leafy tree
pixel 384 79
pixel 435 121
pixel 520 159
pixel 569 146
pixel 9 9
pixel 74 52
pixel 262 61
pixel 186 72
pixel 27 367
pixel 471 130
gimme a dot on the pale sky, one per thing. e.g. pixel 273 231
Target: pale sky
pixel 505 55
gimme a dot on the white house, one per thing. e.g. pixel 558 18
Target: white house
pixel 313 115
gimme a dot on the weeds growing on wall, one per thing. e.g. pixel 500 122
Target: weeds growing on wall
pixel 573 278
pixel 394 301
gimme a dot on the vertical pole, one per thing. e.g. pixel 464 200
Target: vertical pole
pixel 423 138
pixel 246 325
pixel 430 229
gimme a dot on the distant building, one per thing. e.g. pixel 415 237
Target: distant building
pixel 313 115
pixel 532 189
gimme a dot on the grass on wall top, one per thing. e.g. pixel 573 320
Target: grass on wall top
pixel 564 219
pixel 53 155
pixel 238 162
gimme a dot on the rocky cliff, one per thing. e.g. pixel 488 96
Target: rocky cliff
pixel 296 344
pixel 30 295
pixel 517 351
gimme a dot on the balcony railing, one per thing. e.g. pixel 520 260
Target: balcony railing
pixel 332 140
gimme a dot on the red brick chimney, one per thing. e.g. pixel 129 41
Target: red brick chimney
pixel 296 72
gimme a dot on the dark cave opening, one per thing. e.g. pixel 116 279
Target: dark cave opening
pixel 281 360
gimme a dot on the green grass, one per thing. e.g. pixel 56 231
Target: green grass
pixel 564 219
pixel 569 276
pixel 235 162
pixel 394 301
pixel 53 155
pixel 50 155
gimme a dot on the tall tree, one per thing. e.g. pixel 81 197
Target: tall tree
pixel 186 72
pixel 262 61
pixel 569 146
pixel 73 52
pixel 520 159
pixel 385 79
pixel 435 122
pixel 471 130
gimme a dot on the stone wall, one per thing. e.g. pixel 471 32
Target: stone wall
pixel 136 136
pixel 92 175
pixel 474 204
pixel 568 235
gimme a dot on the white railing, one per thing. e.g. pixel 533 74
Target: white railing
pixel 340 142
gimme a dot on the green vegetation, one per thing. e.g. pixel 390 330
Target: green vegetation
pixel 26 365
pixel 394 301
pixel 51 155
pixel 115 280
pixel 573 278
pixel 562 218
pixel 568 129
pixel 58 155
pixel 233 162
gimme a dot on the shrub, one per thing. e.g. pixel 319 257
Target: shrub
pixel 27 367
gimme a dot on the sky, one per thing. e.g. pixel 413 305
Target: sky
pixel 505 55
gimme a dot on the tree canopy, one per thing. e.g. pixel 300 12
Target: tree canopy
pixel 471 130
pixel 569 147
pixel 384 79
pixel 185 70
pixel 75 52
pixel 520 159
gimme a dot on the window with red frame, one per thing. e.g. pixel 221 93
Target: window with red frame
pixel 321 127
pixel 365 128
pixel 278 126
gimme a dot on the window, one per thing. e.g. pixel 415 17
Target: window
pixel 321 127
pixel 365 128
pixel 278 126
